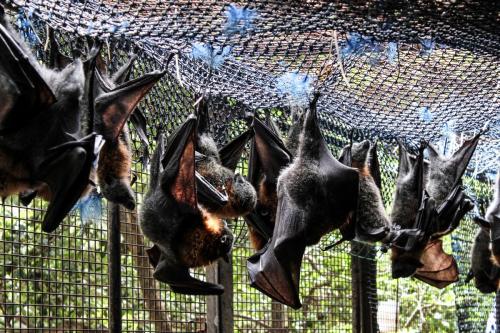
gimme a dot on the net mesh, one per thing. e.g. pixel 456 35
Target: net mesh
pixel 387 69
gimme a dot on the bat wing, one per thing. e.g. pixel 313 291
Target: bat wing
pixel 21 83
pixel 66 171
pixel 463 155
pixel 495 237
pixel 451 212
pixel 122 75
pixel 375 165
pixel 140 124
pixel 113 108
pixel 439 269
pixel 178 180
pixel 231 153
pixel 271 152
pixel 275 270
pixel 268 156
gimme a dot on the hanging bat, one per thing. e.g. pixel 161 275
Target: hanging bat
pixel 115 159
pixel 444 186
pixel 486 275
pixel 184 234
pixel 268 156
pixel 310 204
pixel 412 209
pixel 372 223
pixel 218 168
pixel 42 147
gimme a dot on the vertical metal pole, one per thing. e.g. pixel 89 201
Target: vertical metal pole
pixel 364 288
pixel 497 312
pixel 114 268
pixel 220 308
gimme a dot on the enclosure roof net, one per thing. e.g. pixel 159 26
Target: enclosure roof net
pixel 395 69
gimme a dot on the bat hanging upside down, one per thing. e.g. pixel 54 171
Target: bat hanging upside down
pixel 310 205
pixel 47 145
pixel 432 200
pixel 184 233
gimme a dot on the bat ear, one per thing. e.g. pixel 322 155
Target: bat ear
pixel 231 153
pixel 346 156
pixel 123 73
pixel 114 108
pixel 464 154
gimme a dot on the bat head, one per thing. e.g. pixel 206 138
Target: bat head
pixel 241 194
pixel 359 153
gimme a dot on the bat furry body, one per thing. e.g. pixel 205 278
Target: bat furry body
pixel 309 206
pixel 485 275
pixel 373 223
pixel 186 234
pixel 241 194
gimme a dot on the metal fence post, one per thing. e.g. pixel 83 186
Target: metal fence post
pixel 364 288
pixel 114 268
pixel 220 317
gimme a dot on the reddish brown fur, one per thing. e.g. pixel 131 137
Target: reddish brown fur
pixel 268 200
pixel 199 246
pixel 115 161
pixel 13 176
pixel 495 259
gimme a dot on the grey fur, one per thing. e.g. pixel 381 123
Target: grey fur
pixel 164 221
pixel 405 204
pixel 371 217
pixel 242 196
pixel 293 137
pixel 493 210
pixel 481 265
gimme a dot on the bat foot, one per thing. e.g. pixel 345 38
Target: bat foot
pixel 181 282
pixel 178 277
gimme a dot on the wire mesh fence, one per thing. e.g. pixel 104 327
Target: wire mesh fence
pixel 59 282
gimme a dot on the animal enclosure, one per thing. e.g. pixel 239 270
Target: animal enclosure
pixel 385 70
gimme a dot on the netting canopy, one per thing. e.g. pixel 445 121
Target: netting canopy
pixel 387 69
pixel 405 69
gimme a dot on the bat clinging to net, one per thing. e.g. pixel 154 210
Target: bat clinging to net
pixel 42 146
pixel 218 168
pixel 268 156
pixel 372 223
pixel 486 275
pixel 316 194
pixel 184 234
pixel 115 158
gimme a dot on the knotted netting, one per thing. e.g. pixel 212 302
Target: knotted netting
pixel 407 70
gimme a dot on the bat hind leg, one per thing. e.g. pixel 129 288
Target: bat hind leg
pixel 180 281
